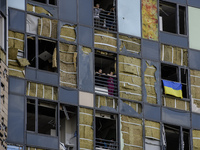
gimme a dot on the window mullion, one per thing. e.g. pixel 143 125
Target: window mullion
pixel 177 19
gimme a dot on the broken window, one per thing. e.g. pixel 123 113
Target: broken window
pixel 43 120
pixel 51 2
pixel 172 18
pixel 2 35
pixel 42 56
pixel 105 73
pixel 105 14
pixel 177 75
pixel 68 128
pixel 106 129
pixel 47 118
pixel 31 115
pixel 176 138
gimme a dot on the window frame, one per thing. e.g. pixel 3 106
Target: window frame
pixel 46 2
pixel 37 38
pixel 177 18
pixel 37 115
pixel 179 68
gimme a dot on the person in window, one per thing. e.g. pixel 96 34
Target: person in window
pixel 97 11
pixel 110 19
pixel 99 76
pixel 111 86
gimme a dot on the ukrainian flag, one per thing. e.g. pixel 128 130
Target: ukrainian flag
pixel 173 88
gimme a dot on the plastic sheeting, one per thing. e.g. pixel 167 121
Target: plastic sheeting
pixel 149 19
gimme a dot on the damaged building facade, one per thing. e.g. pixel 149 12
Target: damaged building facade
pixel 99 74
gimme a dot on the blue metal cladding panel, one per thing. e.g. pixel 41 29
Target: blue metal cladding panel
pixel 16 119
pixel 150 50
pixel 68 96
pixel 68 10
pixel 16 85
pixel 152 112
pixel 85 12
pixel 177 117
pixel 86 82
pixel 43 141
pixel 173 39
pixel 85 36
pixel 194 60
pixel 16 20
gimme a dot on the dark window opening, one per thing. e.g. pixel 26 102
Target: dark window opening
pixel 105 14
pixel 41 1
pixel 2 86
pixel 177 138
pixel 46 50
pixel 68 128
pixel 105 76
pixel 184 81
pixel 30 115
pixel 106 129
pixel 31 51
pixel 168 15
pixel 171 73
pixel 47 118
pixel 172 18
pixel 52 2
pixel 182 20
pixel 45 115
pixel 172 137
pixel 46 54
pixel 186 139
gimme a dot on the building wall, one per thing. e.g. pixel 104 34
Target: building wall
pixel 52 55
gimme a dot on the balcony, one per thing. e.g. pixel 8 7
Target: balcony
pixel 105 84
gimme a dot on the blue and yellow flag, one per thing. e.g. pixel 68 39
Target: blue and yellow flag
pixel 173 88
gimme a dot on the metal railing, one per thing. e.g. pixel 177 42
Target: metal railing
pixel 105 84
pixel 107 20
pixel 102 144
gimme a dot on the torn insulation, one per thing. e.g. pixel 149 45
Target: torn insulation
pixel 41 91
pixel 105 40
pixel 130 78
pixel 174 55
pixel 68 71
pixel 86 128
